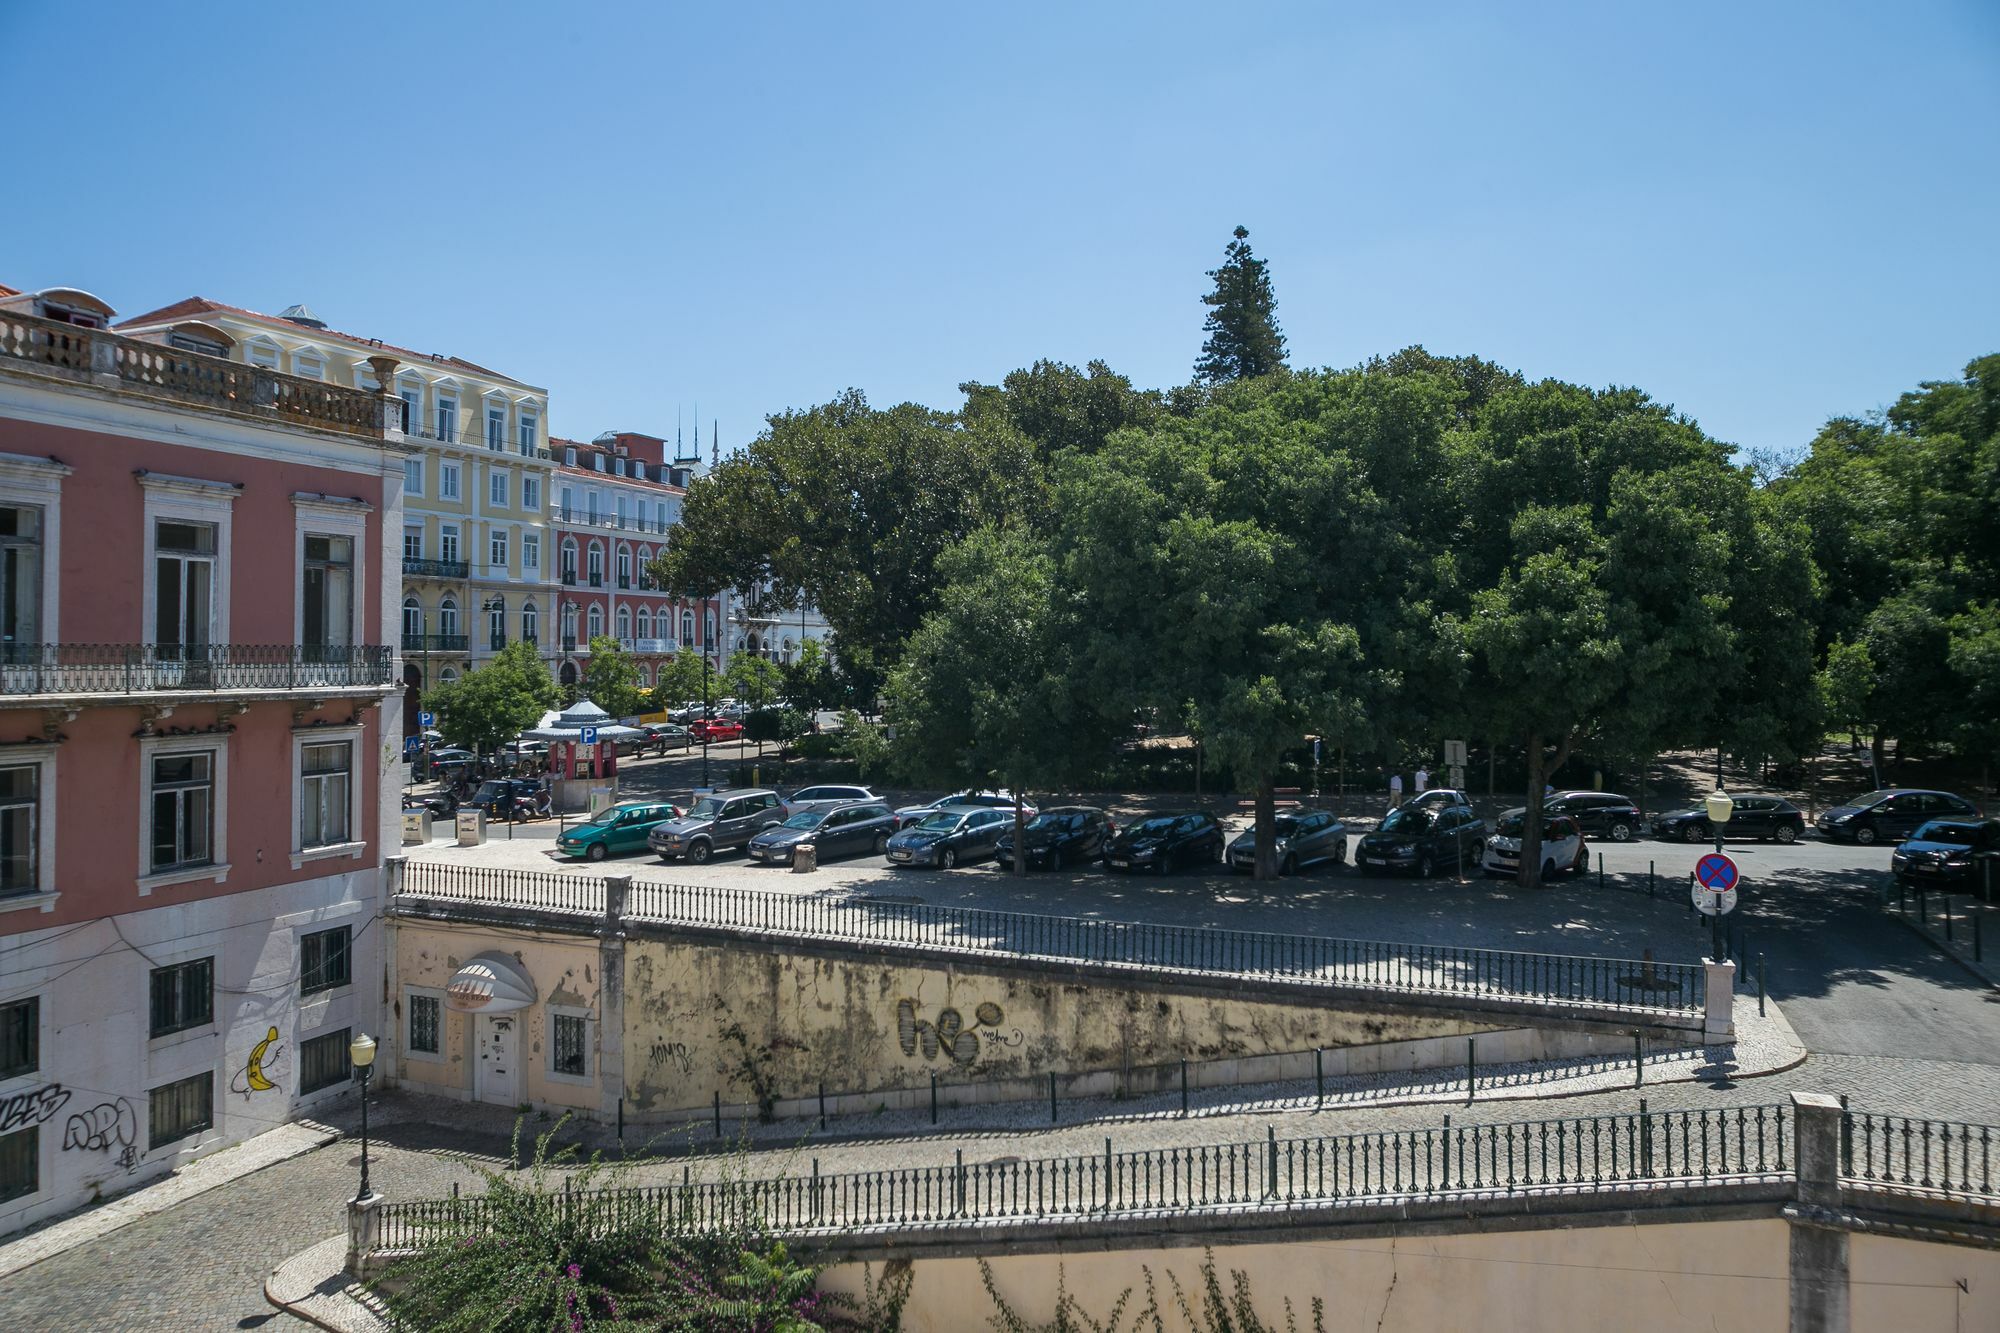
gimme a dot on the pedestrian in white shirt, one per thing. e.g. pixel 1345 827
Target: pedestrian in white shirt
pixel 1395 790
pixel 1423 780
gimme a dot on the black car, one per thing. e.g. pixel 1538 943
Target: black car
pixel 1422 841
pixel 1761 817
pixel 949 837
pixel 843 830
pixel 496 795
pixel 1890 815
pixel 1164 842
pixel 1616 817
pixel 1061 835
pixel 1305 838
pixel 1954 855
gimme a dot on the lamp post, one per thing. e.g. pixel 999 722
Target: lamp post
pixel 706 717
pixel 1720 808
pixel 362 1052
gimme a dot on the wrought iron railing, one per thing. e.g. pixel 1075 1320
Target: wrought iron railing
pixel 1631 985
pixel 1944 1155
pixel 1732 1144
pixel 128 668
pixel 435 643
pixel 435 569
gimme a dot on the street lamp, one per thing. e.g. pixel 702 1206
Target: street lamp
pixel 362 1052
pixel 1720 808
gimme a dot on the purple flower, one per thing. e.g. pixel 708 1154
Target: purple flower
pixel 575 1271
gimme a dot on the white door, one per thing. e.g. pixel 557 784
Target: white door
pixel 498 1077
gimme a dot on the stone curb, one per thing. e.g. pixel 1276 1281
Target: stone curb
pixel 313 1285
pixel 1986 972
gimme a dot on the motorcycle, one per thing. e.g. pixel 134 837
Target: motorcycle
pixel 527 805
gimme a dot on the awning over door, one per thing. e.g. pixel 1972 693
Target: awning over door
pixel 492 983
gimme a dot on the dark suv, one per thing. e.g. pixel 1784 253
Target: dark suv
pixel 1890 815
pixel 1597 812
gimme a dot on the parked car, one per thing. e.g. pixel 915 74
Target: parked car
pixel 1954 855
pixel 826 796
pixel 949 837
pixel 1762 817
pixel 1061 835
pixel 667 735
pixel 1001 799
pixel 840 830
pixel 1616 817
pixel 714 729
pixel 624 827
pixel 1422 841
pixel 496 796
pixel 1563 847
pixel 1165 842
pixel 1305 838
pixel 715 823
pixel 1437 798
pixel 1889 815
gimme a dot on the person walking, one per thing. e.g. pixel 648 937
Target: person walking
pixel 1423 779
pixel 1395 790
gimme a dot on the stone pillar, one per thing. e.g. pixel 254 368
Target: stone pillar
pixel 1719 1020
pixel 805 859
pixel 1819 1273
pixel 392 876
pixel 388 403
pixel 611 999
pixel 364 1231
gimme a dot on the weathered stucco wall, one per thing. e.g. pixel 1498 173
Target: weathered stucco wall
pixel 759 1024
pixel 1909 1285
pixel 1731 1277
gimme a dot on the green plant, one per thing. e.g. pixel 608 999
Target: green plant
pixel 1212 1311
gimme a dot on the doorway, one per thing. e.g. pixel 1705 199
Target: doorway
pixel 497 1077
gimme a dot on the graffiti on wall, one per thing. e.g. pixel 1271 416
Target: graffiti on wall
pixel 266 1058
pixel 949 1034
pixel 106 1127
pixel 32 1107
pixel 671 1055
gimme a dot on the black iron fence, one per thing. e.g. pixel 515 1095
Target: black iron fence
pixel 417 567
pixel 138 668
pixel 1944 1155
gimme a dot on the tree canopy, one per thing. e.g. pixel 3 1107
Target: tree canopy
pixel 1242 326
pixel 489 706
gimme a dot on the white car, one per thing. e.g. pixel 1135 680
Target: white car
pixel 1562 845
pixel 1437 798
pixel 826 796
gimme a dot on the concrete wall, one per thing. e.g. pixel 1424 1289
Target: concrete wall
pixel 1908 1285
pixel 1730 1277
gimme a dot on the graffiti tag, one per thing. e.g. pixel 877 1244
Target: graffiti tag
pixel 674 1053
pixel 948 1035
pixel 266 1058
pixel 103 1127
pixel 32 1108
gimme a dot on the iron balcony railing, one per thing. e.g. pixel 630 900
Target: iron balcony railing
pixel 569 643
pixel 1716 1146
pixel 1640 987
pixel 435 569
pixel 615 522
pixel 624 582
pixel 141 668
pixel 596 580
pixel 569 578
pixel 435 643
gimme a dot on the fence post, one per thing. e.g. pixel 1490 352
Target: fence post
pixel 397 866
pixel 1107 1173
pixel 1638 1059
pixel 718 1113
pixel 1819 1253
pixel 1471 1071
pixel 1718 1021
pixel 958 1181
pixel 617 891
pixel 1649 879
pixel 1184 1094
pixel 933 1098
pixel 822 1104
pixel 1645 1142
pixel 1052 1096
pixel 1271 1170
pixel 1319 1076
pixel 1760 983
pixel 364 1231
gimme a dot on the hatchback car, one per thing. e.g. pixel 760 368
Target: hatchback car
pixel 667 735
pixel 1954 855
pixel 999 800
pixel 1422 841
pixel 1305 838
pixel 1166 842
pixel 841 830
pixel 1059 836
pixel 723 820
pixel 949 837
pixel 1563 847
pixel 1616 817
pixel 1436 798
pixel 826 796
pixel 1890 815
pixel 624 827
pixel 714 729
pixel 1762 817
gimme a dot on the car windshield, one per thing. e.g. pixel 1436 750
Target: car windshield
pixel 1873 796
pixel 1958 835
pixel 611 816
pixel 1406 820
pixel 1286 825
pixel 1511 824
pixel 1153 828
pixel 1056 823
pixel 706 808
pixel 806 819
pixel 942 822
pixel 491 791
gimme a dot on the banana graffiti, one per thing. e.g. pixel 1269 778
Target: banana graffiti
pixel 263 1062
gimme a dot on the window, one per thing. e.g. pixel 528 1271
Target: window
pixel 20 578
pixel 687 627
pixel 496 489
pixel 20 1037
pixel 496 428
pixel 496 625
pixel 596 618
pixel 180 1110
pixel 645 623
pixel 448 542
pixel 531 553
pixel 413 617
pixel 183 996
pixel 326 789
pixel 569 1042
pixel 595 561
pixel 426 1024
pixel 324 1061
pixel 183 587
pixel 413 476
pixel 413 543
pixel 20 1163
pixel 496 551
pixel 413 408
pixel 531 624
pixel 590 501
pixel 569 562
pixel 261 354
pixel 624 625
pixel 183 806
pixel 530 433
pixel 447 418
pixel 20 829
pixel 448 488
pixel 624 568
pixel 324 960
pixel 307 366
pixel 569 455
pixel 327 592
pixel 531 493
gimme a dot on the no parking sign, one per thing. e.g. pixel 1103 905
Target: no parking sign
pixel 1715 882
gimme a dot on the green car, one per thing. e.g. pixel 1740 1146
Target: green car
pixel 622 828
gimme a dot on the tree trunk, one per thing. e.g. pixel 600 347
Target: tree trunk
pixel 1875 759
pixel 1020 835
pixel 1529 872
pixel 1267 832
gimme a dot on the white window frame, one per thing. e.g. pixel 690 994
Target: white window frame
pixel 417 530
pixel 496 549
pixel 413 476
pixel 622 626
pixel 331 516
pixel 411 391
pixel 593 619
pixel 588 1079
pixel 496 440
pixel 306 357
pixel 151 748
pixel 531 622
pixel 442 399
pixel 451 532
pixel 531 553
pixel 354 845
pixel 43 759
pixel 499 489
pixel 451 480
pixel 528 428
pixel 189 500
pixel 443 1052
pixel 531 493
pixel 262 352
pixel 37 483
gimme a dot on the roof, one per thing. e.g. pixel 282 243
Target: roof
pixel 200 305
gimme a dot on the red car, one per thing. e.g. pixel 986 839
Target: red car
pixel 714 729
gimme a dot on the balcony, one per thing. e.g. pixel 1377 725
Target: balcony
pixel 624 582
pixel 569 643
pixel 597 580
pixel 435 643
pixel 569 578
pixel 434 569
pixel 101 672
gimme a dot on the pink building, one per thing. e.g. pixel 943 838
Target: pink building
pixel 198 718
pixel 617 500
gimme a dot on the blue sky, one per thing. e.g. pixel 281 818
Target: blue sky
pixel 1763 214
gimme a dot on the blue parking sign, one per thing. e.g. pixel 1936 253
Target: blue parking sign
pixel 589 735
pixel 426 719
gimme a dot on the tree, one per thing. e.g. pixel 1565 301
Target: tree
pixel 1061 409
pixel 1243 338
pixel 487 707
pixel 681 678
pixel 755 680
pixel 611 679
pixel 809 682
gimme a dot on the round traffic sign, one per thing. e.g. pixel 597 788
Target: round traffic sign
pixel 1715 871
pixel 1713 902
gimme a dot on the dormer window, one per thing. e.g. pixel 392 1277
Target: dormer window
pixel 307 366
pixel 597 462
pixel 569 456
pixel 188 343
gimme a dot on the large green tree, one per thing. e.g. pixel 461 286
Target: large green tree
pixel 611 679
pixel 1242 325
pixel 487 707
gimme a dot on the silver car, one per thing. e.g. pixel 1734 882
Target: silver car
pixel 826 796
pixel 1305 838
pixel 723 820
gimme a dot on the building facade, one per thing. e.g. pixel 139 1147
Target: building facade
pixel 199 568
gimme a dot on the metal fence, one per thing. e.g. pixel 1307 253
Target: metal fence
pixel 540 890
pixel 139 668
pixel 1662 1147
pixel 1944 1155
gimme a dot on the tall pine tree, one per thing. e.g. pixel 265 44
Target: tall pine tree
pixel 1243 338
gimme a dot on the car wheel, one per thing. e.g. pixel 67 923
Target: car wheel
pixel 698 851
pixel 1581 866
pixel 881 843
pixel 1694 833
pixel 597 852
pixel 1548 871
pixel 1786 833
pixel 1425 866
pixel 1865 834
pixel 1621 833
pixel 1289 866
pixel 947 859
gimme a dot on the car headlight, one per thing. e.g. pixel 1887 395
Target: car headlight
pixel 1403 849
pixel 1838 819
pixel 1141 853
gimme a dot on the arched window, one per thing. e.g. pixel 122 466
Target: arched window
pixel 569 560
pixel 448 674
pixel 646 568
pixel 596 621
pixel 624 566
pixel 496 624
pixel 448 616
pixel 569 624
pixel 645 623
pixel 531 624
pixel 687 627
pixel 595 565
pixel 624 625
pixel 413 618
